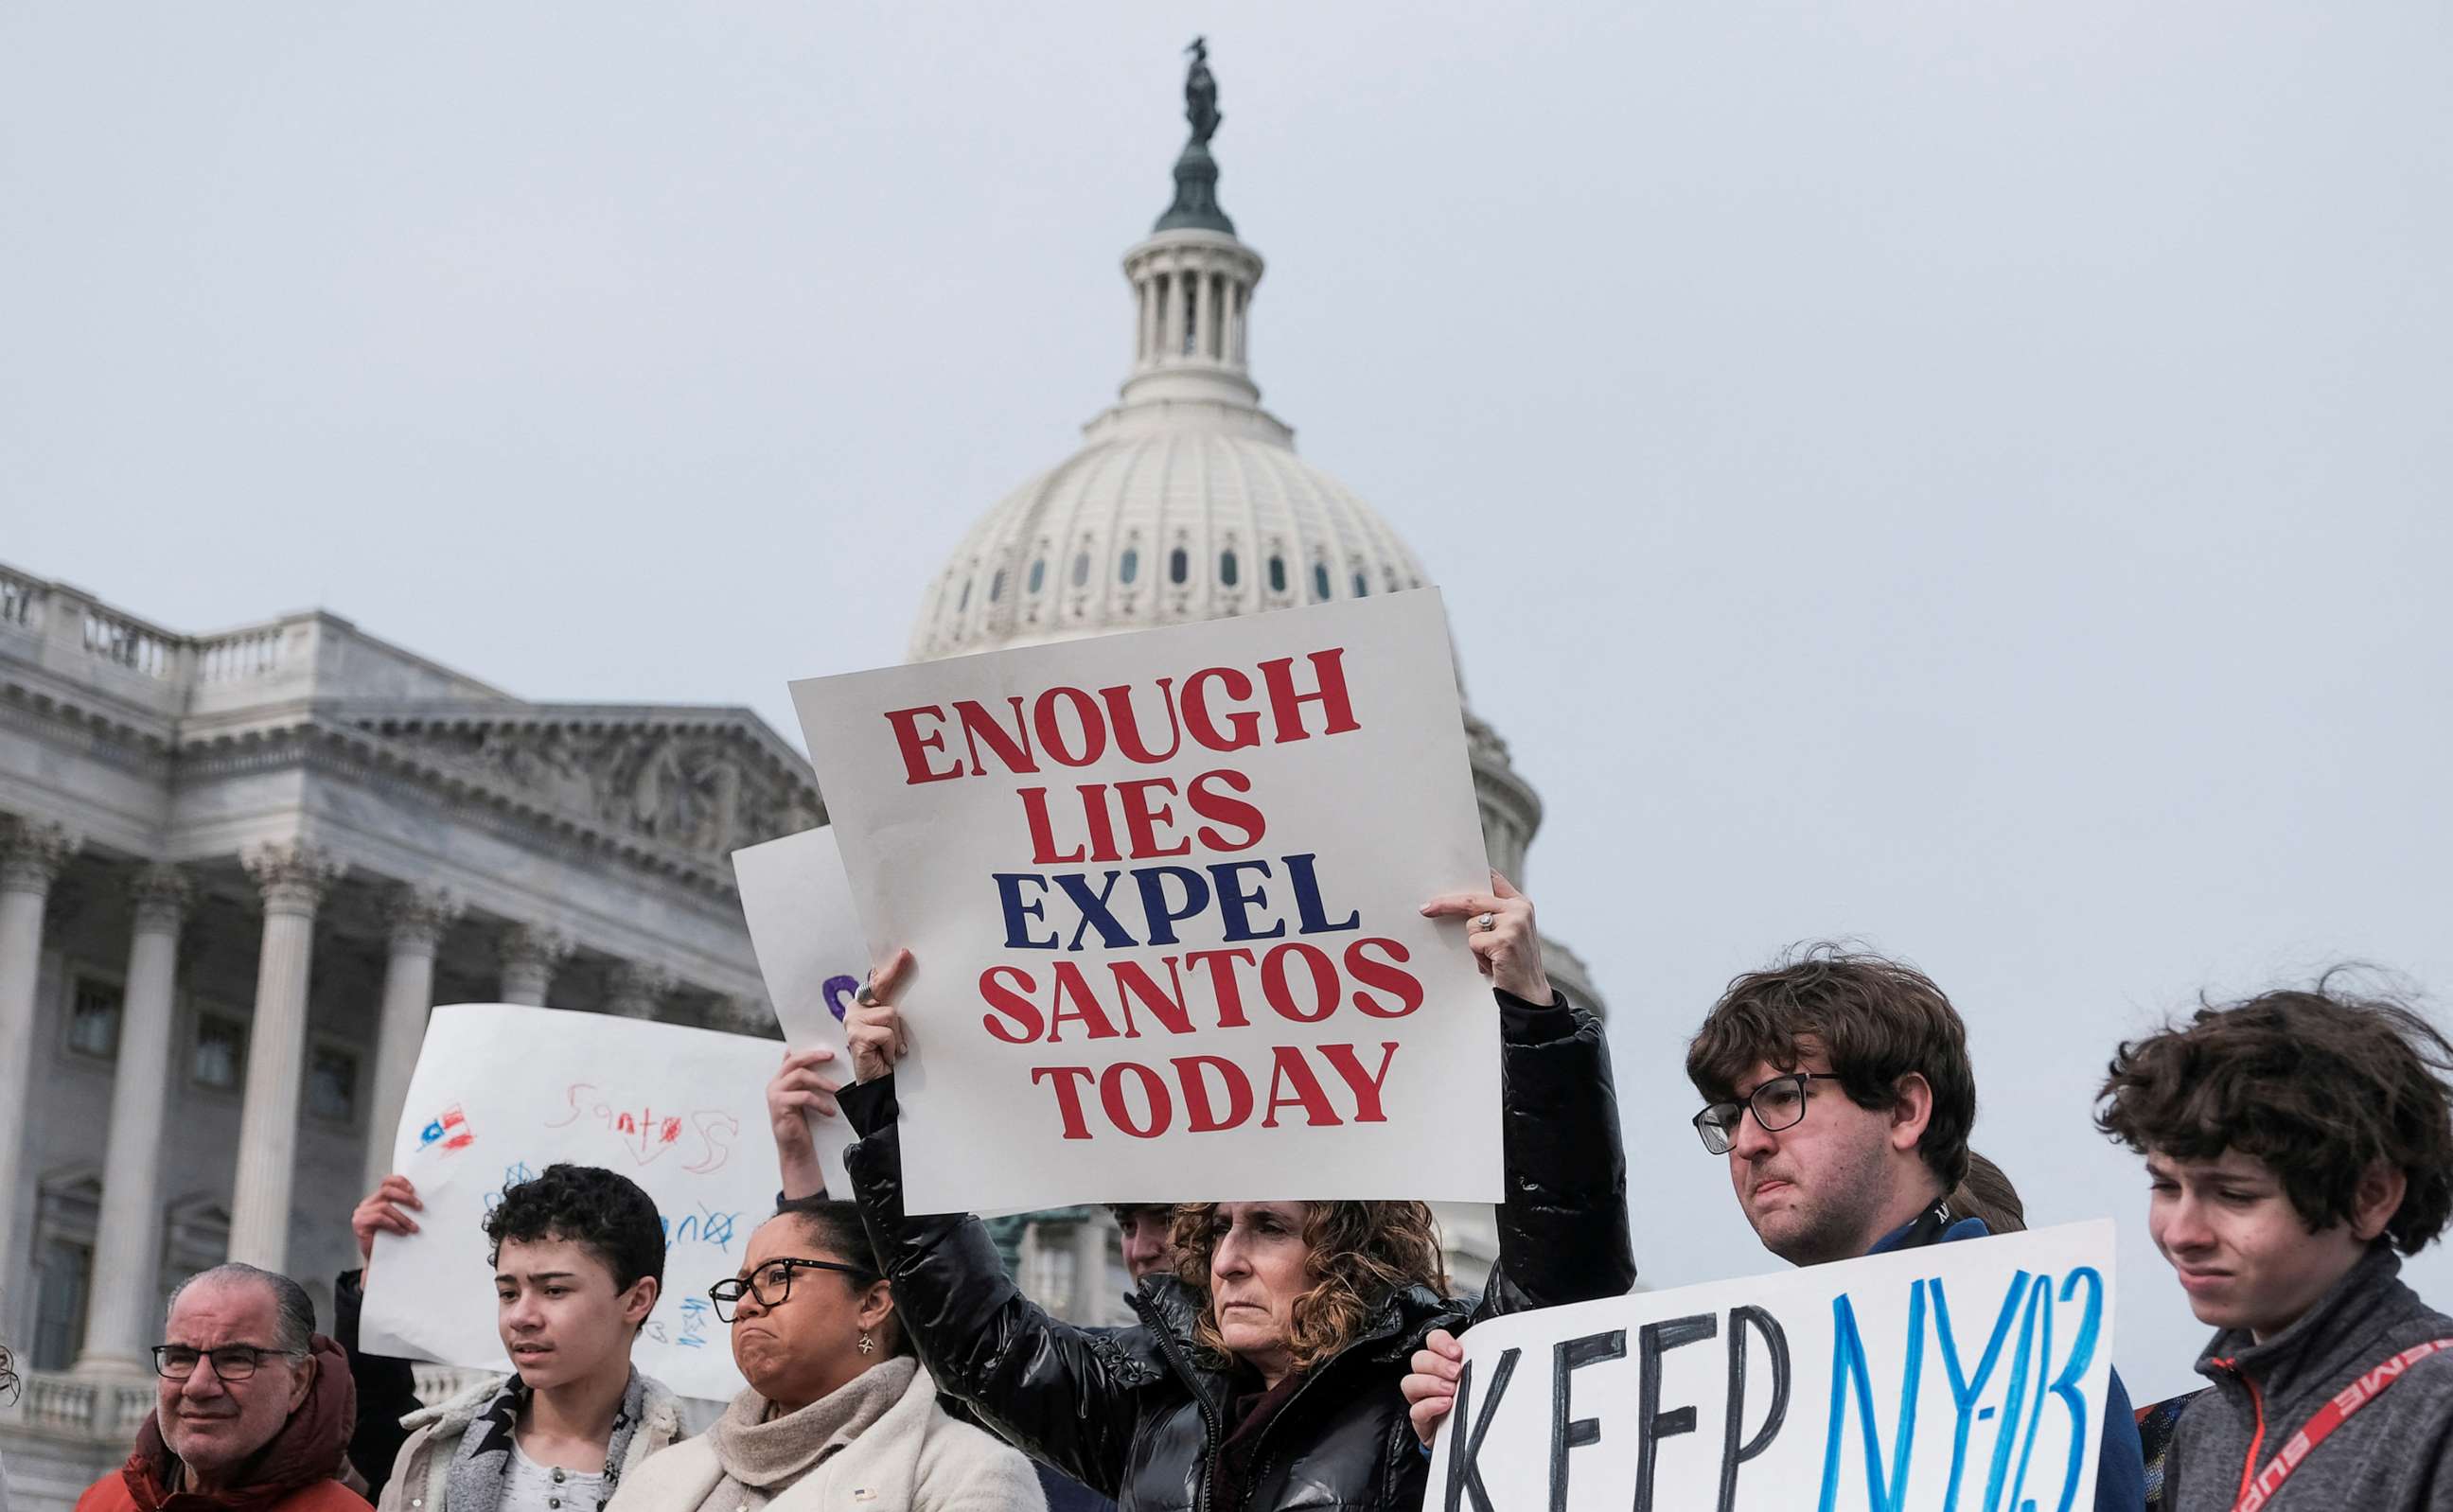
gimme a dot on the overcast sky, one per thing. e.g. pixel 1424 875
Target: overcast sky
pixel 1970 478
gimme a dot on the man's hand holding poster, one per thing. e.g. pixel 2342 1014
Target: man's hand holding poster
pixel 1969 1375
pixel 1164 892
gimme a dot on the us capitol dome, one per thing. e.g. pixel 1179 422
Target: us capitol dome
pixel 1187 501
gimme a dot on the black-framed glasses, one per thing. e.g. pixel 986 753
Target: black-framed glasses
pixel 231 1361
pixel 1778 1103
pixel 771 1283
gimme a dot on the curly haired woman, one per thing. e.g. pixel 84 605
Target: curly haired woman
pixel 1264 1372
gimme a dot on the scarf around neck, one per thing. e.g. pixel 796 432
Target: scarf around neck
pixel 483 1462
pixel 772 1452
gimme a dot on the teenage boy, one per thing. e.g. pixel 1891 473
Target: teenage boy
pixel 2298 1145
pixel 579 1260
pixel 1837 1086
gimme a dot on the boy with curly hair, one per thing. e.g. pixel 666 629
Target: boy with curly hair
pixel 2298 1144
pixel 579 1260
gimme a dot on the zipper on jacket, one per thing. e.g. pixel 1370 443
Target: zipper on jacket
pixel 1165 1339
pixel 2256 1440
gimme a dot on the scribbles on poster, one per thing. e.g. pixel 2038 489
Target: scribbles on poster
pixel 1968 1376
pixel 1163 891
pixel 499 1094
pixel 808 937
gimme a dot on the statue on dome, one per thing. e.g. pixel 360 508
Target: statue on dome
pixel 1200 94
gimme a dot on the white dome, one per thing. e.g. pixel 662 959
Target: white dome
pixel 1156 525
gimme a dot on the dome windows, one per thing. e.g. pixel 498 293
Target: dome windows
pixel 996 587
pixel 1361 586
pixel 1179 566
pixel 1228 571
pixel 1320 583
pixel 965 602
pixel 1038 574
pixel 1277 574
pixel 1130 567
pixel 1082 570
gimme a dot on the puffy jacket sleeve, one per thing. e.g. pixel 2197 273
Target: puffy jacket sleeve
pixel 1067 1395
pixel 1563 1223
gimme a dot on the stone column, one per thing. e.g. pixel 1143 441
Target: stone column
pixel 1205 316
pixel 1146 329
pixel 633 991
pixel 31 854
pixel 294 877
pixel 1171 317
pixel 127 1246
pixel 418 917
pixel 529 958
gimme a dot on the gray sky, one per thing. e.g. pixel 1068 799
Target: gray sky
pixel 1970 478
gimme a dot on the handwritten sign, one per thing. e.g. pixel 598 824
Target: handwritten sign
pixel 1164 893
pixel 1958 1376
pixel 499 1094
pixel 806 934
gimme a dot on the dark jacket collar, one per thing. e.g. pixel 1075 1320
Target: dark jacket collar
pixel 1937 1224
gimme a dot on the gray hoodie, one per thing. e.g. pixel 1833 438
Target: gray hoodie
pixel 2393 1455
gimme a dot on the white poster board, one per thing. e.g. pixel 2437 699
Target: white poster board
pixel 499 1094
pixel 1968 1375
pixel 806 934
pixel 1164 891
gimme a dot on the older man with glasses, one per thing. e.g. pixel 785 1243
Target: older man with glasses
pixel 254 1409
pixel 1837 1086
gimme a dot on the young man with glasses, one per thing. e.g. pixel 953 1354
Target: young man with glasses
pixel 1838 1088
pixel 254 1411
pixel 2298 1145
pixel 579 1263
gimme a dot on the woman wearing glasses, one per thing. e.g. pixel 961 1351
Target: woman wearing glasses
pixel 1265 1371
pixel 838 1412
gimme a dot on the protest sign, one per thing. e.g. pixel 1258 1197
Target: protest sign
pixel 809 951
pixel 1967 1375
pixel 1164 893
pixel 499 1094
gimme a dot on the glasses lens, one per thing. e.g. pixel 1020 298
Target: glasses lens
pixel 175 1360
pixel 1779 1104
pixel 724 1294
pixel 1715 1124
pixel 234 1363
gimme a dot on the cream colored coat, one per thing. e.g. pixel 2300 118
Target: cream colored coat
pixel 915 1459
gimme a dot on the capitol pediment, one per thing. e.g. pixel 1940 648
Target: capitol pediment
pixel 700 781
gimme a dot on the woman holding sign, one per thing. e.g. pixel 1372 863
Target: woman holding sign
pixel 1264 1372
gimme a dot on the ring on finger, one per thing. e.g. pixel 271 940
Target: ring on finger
pixel 1485 923
pixel 866 997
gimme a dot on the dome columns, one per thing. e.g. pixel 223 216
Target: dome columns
pixel 1193 289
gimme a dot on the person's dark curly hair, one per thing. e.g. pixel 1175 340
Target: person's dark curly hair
pixel 1875 1019
pixel 7 1374
pixel 2317 1084
pixel 601 1211
pixel 1362 1253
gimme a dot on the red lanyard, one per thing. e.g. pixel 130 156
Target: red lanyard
pixel 2369 1386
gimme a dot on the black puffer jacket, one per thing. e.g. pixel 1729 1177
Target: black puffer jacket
pixel 1132 1413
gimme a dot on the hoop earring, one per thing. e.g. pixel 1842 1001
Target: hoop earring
pixel 867 1345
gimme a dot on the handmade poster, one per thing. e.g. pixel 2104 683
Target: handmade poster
pixel 809 951
pixel 1164 891
pixel 1958 1376
pixel 499 1094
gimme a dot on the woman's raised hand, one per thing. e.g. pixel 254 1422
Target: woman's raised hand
pixel 382 1213
pixel 796 1094
pixel 874 1025
pixel 1430 1387
pixel 1499 928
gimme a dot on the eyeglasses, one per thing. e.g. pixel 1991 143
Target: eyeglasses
pixel 1778 1103
pixel 231 1361
pixel 771 1283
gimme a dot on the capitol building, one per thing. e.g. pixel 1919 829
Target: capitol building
pixel 238 869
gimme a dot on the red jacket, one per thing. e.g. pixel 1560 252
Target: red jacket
pixel 292 1473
